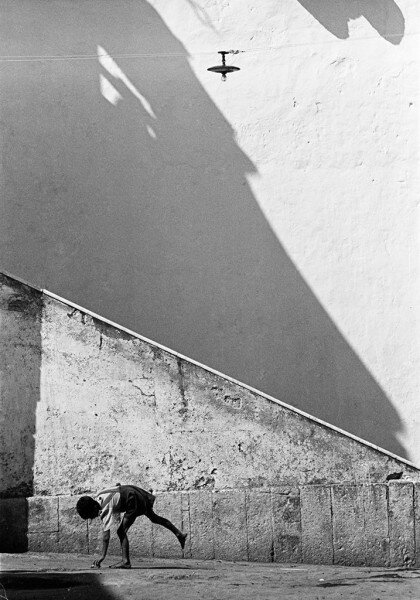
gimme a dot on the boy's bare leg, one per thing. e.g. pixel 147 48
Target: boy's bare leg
pixel 168 525
pixel 125 547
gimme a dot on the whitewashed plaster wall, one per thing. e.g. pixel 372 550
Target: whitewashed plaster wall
pixel 332 128
pixel 265 226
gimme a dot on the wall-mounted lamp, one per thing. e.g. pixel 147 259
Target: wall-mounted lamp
pixel 224 68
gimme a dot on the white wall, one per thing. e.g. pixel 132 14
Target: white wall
pixel 265 226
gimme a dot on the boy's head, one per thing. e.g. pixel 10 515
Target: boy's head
pixel 87 507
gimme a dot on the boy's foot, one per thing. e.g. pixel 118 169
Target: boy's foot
pixel 120 565
pixel 182 537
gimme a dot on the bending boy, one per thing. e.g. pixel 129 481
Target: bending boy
pixel 133 502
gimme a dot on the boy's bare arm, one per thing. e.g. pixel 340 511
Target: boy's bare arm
pixel 105 543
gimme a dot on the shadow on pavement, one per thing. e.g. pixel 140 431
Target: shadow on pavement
pixel 20 585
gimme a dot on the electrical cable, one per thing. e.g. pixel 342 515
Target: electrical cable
pixel 69 57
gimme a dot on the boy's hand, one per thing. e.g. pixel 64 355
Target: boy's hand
pixel 96 564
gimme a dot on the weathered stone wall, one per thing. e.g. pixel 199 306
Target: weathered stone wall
pixel 116 407
pixel 369 525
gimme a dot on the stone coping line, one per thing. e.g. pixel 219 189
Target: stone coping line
pixel 343 524
pixel 218 373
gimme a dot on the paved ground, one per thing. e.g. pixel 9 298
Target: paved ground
pixel 68 577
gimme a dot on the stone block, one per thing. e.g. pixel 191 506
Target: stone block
pixel 43 514
pixel 13 525
pixel 140 538
pixel 201 524
pixel 287 530
pixel 348 524
pixel 165 544
pixel 259 519
pixel 73 531
pixel 401 523
pixel 186 523
pixel 316 518
pixel 94 536
pixel 43 542
pixel 375 502
pixel 229 525
pixel 417 521
pixel 95 539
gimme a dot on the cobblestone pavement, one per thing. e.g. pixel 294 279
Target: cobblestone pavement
pixel 69 577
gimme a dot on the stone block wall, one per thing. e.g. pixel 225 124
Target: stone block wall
pixel 347 524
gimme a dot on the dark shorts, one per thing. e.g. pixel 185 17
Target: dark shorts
pixel 135 502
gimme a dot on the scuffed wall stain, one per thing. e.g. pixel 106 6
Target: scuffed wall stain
pixel 183 410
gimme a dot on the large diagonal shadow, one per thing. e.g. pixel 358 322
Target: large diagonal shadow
pixel 385 16
pixel 145 215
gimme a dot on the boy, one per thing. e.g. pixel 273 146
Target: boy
pixel 133 502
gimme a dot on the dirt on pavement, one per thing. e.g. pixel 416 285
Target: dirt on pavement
pixel 69 577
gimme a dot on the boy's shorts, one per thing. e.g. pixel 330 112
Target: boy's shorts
pixel 135 501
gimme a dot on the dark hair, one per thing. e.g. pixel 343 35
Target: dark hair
pixel 87 507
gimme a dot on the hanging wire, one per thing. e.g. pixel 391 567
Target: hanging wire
pixel 186 54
